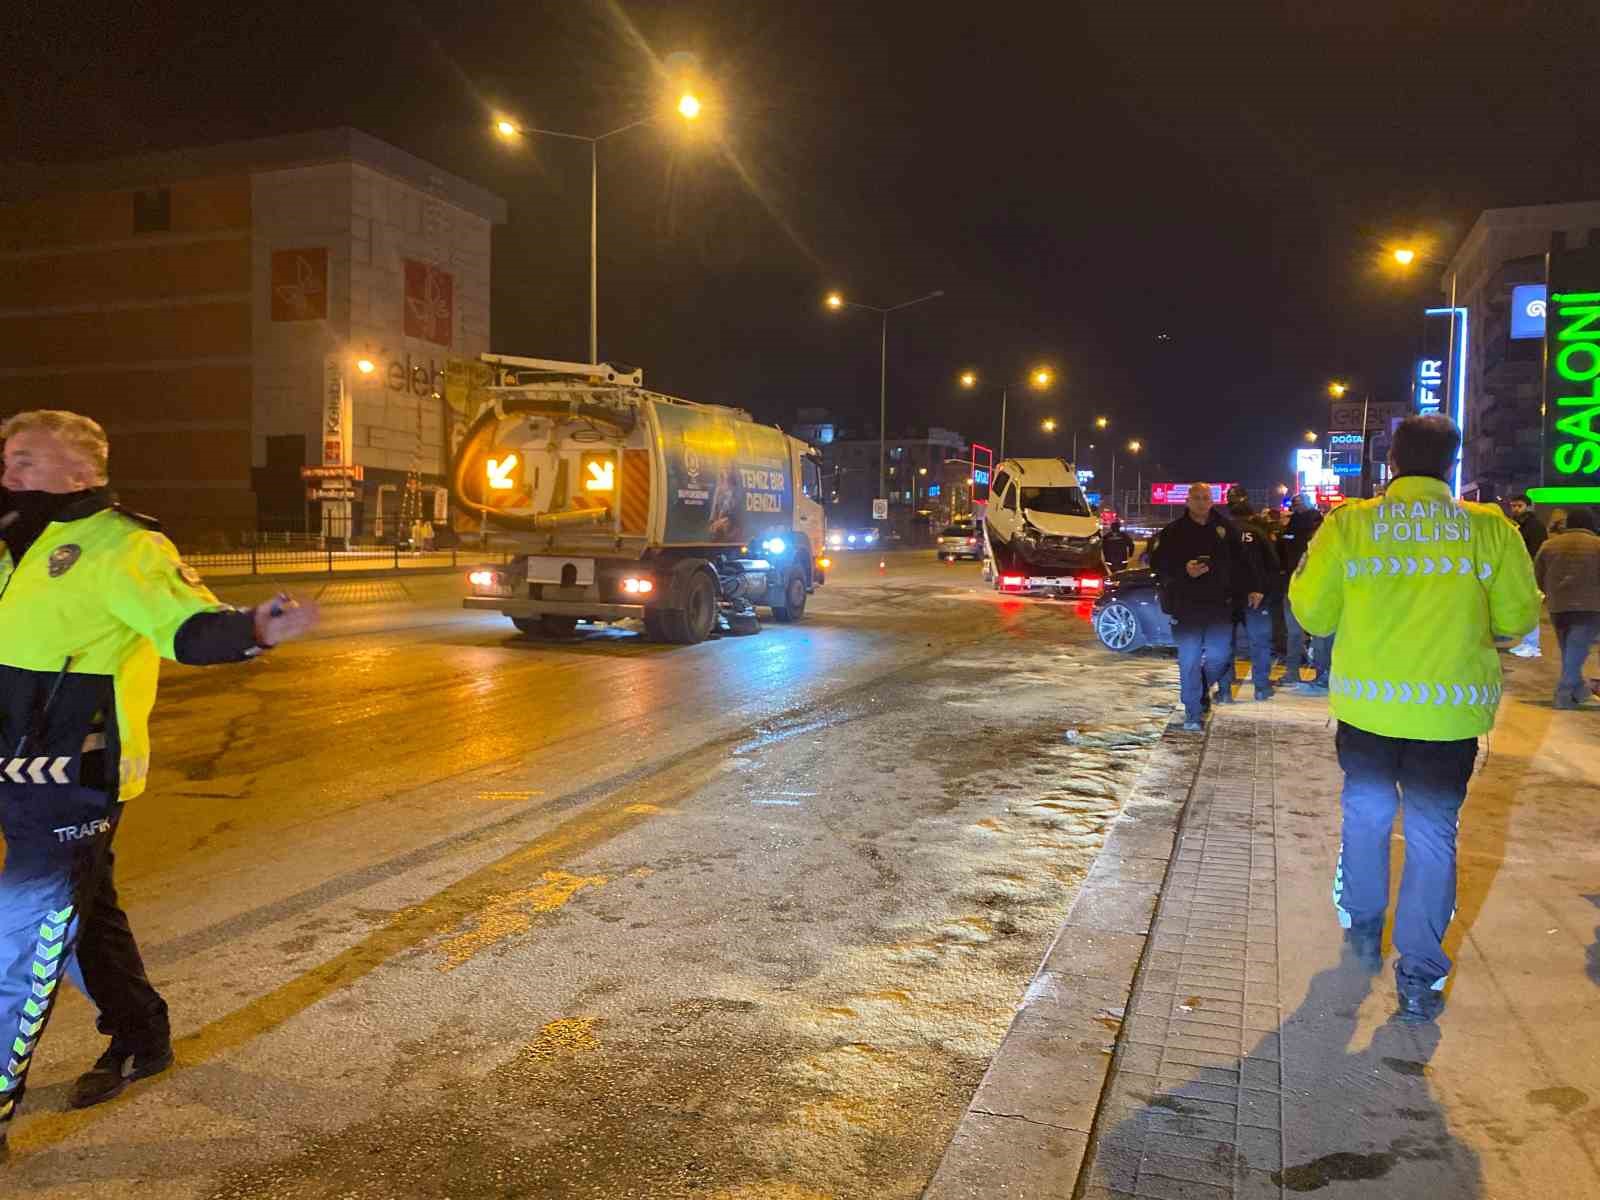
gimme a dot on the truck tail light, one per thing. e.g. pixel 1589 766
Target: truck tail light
pixel 481 579
pixel 635 586
pixel 1011 582
pixel 1090 583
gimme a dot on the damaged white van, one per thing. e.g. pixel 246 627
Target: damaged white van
pixel 1043 536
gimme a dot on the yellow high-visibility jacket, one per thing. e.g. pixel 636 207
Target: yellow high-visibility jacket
pixel 1415 586
pixel 85 620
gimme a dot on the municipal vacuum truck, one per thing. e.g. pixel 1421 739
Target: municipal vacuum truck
pixel 618 503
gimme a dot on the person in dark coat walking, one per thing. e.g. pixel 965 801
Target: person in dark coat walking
pixel 1197 558
pixel 1304 521
pixel 1568 570
pixel 1533 535
pixel 1259 585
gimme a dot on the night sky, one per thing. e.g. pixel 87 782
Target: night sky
pixel 1079 179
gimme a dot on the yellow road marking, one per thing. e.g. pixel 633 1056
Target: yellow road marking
pixel 511 913
pixel 407 928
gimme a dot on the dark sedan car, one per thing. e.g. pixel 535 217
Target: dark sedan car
pixel 1128 615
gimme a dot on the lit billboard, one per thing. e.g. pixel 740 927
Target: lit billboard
pixel 1572 380
pixel 1528 302
pixel 1178 493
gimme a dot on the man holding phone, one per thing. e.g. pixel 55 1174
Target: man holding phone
pixel 1197 557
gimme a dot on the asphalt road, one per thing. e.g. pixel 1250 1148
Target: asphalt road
pixel 442 910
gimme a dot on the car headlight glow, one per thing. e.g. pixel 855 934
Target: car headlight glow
pixel 836 538
pixel 774 545
pixel 852 539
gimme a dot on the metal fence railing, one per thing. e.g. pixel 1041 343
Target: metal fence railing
pixel 279 559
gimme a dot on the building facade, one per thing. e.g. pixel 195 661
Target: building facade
pixel 922 474
pixel 233 314
pixel 1502 253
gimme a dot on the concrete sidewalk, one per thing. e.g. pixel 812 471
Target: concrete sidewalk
pixel 1250 1064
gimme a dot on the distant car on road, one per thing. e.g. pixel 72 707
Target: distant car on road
pixel 961 540
pixel 1128 615
pixel 854 538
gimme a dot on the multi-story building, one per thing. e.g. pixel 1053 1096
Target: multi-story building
pixel 234 313
pixel 916 474
pixel 1501 260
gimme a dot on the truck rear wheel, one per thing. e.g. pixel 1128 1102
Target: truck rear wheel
pixel 793 606
pixel 695 591
pixel 547 625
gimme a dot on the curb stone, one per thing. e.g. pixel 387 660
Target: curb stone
pixel 1027 1129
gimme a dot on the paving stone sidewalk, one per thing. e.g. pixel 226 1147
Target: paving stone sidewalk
pixel 1252 1063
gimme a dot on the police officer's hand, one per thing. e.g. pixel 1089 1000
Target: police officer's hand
pixel 1196 568
pixel 1256 598
pixel 281 618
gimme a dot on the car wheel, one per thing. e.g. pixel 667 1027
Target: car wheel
pixel 1117 627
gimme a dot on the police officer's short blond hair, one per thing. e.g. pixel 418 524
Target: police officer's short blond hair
pixel 82 433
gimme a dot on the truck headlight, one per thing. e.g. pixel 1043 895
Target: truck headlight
pixel 774 545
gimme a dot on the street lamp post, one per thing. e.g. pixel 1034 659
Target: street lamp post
pixel 836 301
pixel 1039 379
pixel 688 108
pixel 1405 256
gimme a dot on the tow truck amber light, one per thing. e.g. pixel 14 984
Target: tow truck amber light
pixel 481 579
pixel 824 563
pixel 638 587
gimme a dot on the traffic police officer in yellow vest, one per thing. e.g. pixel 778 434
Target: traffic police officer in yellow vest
pixel 1417 585
pixel 91 599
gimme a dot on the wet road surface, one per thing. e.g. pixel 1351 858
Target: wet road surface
pixel 442 910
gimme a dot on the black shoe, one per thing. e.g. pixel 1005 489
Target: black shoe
pixel 115 1070
pixel 1419 1002
pixel 1364 944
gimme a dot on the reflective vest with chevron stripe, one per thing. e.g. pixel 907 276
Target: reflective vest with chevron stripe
pixel 1415 586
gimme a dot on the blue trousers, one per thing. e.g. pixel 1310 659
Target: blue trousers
pixel 1576 632
pixel 1305 647
pixel 56 886
pixel 1205 657
pixel 1430 780
pixel 1257 628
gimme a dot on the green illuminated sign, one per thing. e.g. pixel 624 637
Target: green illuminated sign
pixel 1572 380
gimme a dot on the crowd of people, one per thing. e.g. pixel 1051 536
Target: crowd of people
pixel 1225 581
pixel 1421 590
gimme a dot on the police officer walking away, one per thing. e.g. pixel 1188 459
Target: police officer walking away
pixel 1259 586
pixel 1196 558
pixel 1415 682
pixel 91 599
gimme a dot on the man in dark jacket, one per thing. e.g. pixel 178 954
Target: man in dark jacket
pixel 1117 547
pixel 1197 558
pixel 1259 585
pixel 1304 521
pixel 1568 570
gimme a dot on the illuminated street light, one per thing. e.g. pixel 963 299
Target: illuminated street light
pixel 1311 435
pixel 835 300
pixel 1135 446
pixel 1102 422
pixel 1042 377
pixel 969 379
pixel 922 470
pixel 1048 424
pixel 366 366
pixel 688 107
pixel 1337 389
pixel 1405 256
